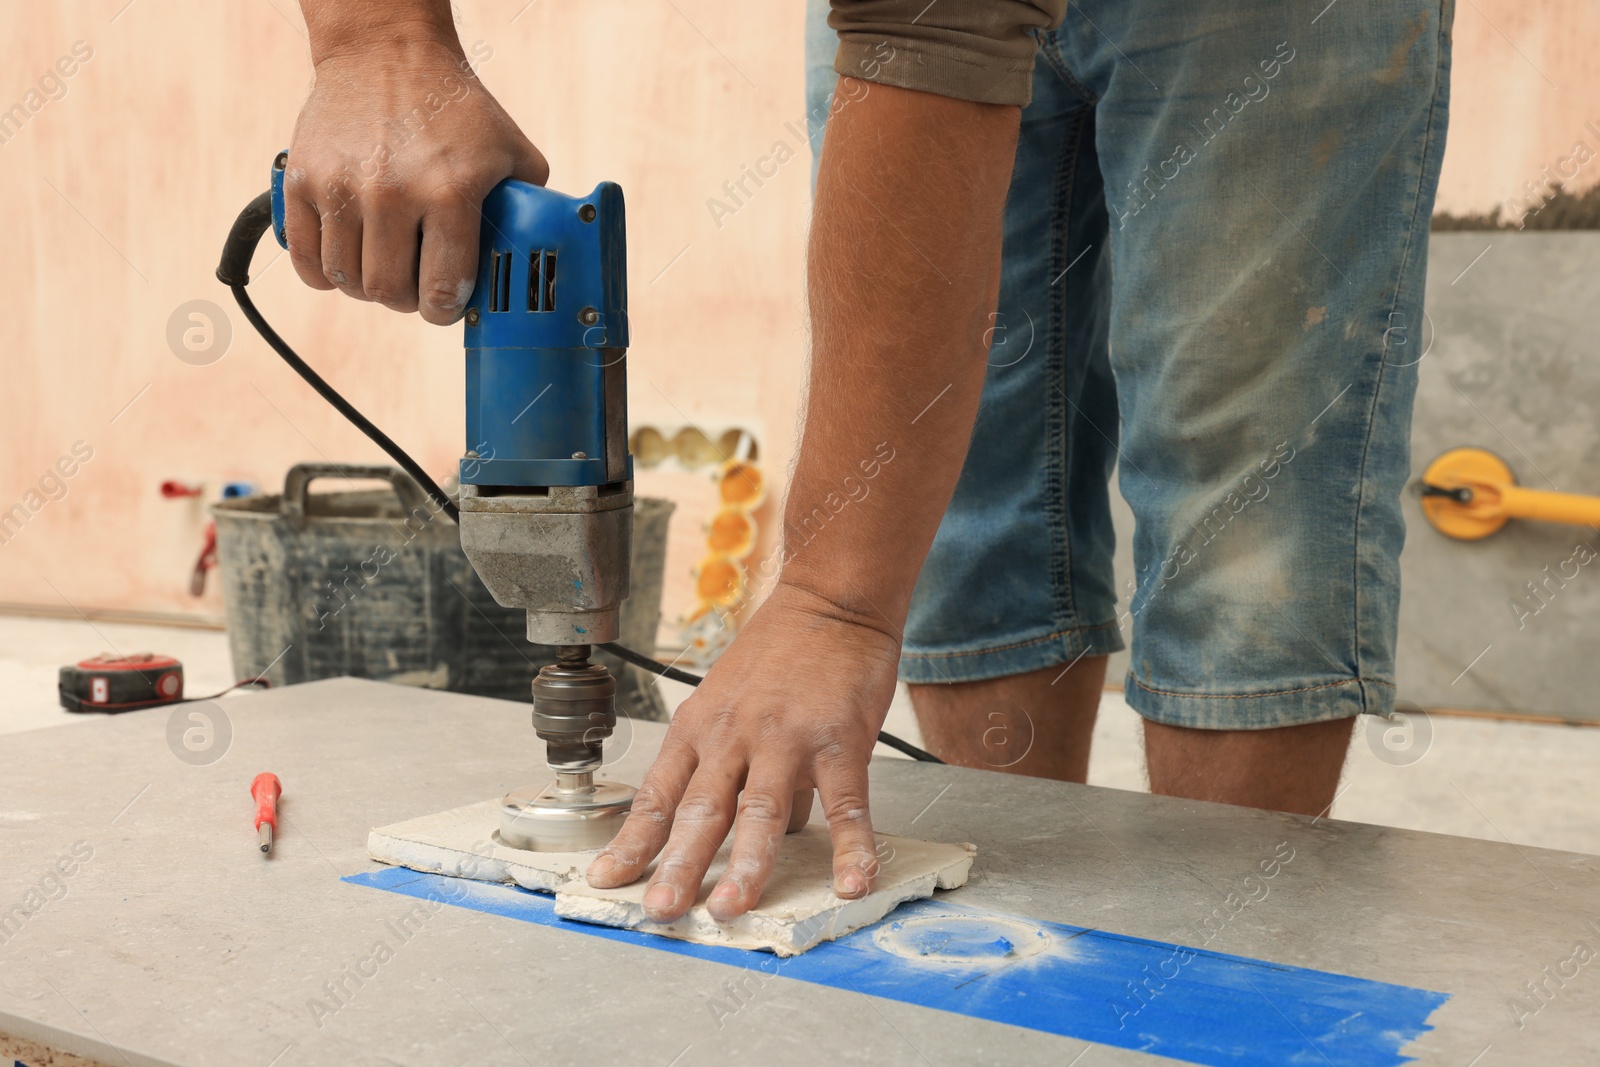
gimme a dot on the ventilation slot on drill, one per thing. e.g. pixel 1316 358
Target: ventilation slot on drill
pixel 500 281
pixel 541 281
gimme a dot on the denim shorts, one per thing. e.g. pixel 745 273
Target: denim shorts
pixel 1215 244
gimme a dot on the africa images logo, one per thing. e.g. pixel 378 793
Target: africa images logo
pixel 50 487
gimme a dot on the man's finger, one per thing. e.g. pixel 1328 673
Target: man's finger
pixel 449 264
pixel 698 829
pixel 529 164
pixel 842 784
pixel 341 248
pixel 389 241
pixel 304 230
pixel 800 809
pixel 758 831
pixel 649 821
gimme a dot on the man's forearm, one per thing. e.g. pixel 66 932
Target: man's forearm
pixel 904 273
pixel 341 26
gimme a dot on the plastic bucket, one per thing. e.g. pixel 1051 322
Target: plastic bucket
pixel 373 584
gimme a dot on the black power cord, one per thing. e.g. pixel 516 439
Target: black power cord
pixel 234 272
pixel 345 408
pixel 645 663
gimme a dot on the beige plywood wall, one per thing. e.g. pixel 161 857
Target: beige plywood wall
pixel 131 134
pixel 117 190
pixel 1525 92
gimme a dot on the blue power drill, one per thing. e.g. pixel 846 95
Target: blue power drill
pixel 546 481
pixel 546 500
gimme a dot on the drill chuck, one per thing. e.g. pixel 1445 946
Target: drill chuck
pixel 574 710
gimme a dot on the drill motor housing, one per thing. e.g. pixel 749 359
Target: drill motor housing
pixel 547 481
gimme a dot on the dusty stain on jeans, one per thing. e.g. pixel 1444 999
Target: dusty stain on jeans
pixel 1396 69
pixel 1325 147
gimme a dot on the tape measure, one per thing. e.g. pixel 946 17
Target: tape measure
pixel 112 683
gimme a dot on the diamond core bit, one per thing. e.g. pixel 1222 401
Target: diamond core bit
pixel 574 711
pixel 574 814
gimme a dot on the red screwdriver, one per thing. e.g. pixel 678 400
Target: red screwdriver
pixel 266 789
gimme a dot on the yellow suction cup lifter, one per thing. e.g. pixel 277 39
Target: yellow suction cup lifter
pixel 1469 493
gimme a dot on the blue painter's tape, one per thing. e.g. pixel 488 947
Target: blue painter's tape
pixel 1170 1000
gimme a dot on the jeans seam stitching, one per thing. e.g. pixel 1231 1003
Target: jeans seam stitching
pixel 1251 696
pixel 1058 435
pixel 1377 391
pixel 1058 63
pixel 1015 644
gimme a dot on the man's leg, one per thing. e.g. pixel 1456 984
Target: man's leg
pixel 1290 768
pixel 1270 175
pixel 1039 723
